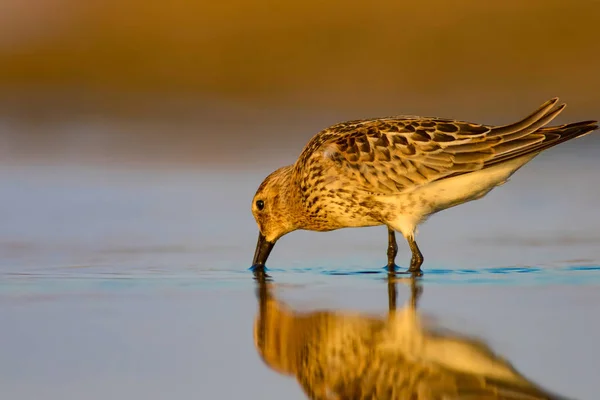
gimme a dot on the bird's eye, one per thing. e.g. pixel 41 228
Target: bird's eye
pixel 260 204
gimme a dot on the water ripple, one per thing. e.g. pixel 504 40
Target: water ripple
pixel 516 275
pixel 97 281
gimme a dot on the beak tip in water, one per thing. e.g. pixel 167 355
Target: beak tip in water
pixel 258 268
pixel 263 249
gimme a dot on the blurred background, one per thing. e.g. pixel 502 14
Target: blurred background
pixel 233 81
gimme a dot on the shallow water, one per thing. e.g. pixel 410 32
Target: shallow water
pixel 134 283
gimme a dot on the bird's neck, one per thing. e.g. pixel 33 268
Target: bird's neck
pixel 290 195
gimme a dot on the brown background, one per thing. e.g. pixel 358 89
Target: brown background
pixel 128 79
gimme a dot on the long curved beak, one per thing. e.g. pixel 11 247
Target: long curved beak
pixel 263 249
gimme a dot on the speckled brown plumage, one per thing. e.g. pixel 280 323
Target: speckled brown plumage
pixel 398 171
pixel 353 356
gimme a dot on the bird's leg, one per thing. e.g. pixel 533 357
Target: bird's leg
pixel 417 258
pixel 392 250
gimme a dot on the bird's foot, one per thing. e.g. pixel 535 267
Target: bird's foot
pixel 392 268
pixel 415 265
pixel 413 272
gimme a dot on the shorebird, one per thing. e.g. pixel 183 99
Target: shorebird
pixel 398 171
pixel 338 355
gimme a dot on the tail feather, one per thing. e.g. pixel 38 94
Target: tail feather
pixel 537 124
pixel 527 121
pixel 552 136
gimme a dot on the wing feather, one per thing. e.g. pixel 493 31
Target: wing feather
pixel 394 154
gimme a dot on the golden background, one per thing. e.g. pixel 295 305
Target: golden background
pixel 242 63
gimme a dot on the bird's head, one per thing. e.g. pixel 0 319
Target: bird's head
pixel 274 210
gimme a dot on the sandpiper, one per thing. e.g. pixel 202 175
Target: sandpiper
pixel 398 171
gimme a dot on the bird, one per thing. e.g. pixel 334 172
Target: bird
pixel 337 355
pixel 398 171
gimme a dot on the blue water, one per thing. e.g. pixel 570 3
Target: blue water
pixel 135 283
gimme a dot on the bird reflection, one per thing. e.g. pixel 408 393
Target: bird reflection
pixel 347 355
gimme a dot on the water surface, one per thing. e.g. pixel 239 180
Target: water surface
pixel 133 282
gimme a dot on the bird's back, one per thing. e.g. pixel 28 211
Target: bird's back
pixel 396 154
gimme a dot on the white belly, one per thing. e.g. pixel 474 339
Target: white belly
pixel 414 207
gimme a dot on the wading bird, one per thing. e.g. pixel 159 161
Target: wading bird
pixel 397 172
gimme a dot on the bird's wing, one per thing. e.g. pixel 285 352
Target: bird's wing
pixel 396 154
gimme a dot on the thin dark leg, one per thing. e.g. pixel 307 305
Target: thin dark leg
pixel 417 258
pixel 392 250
